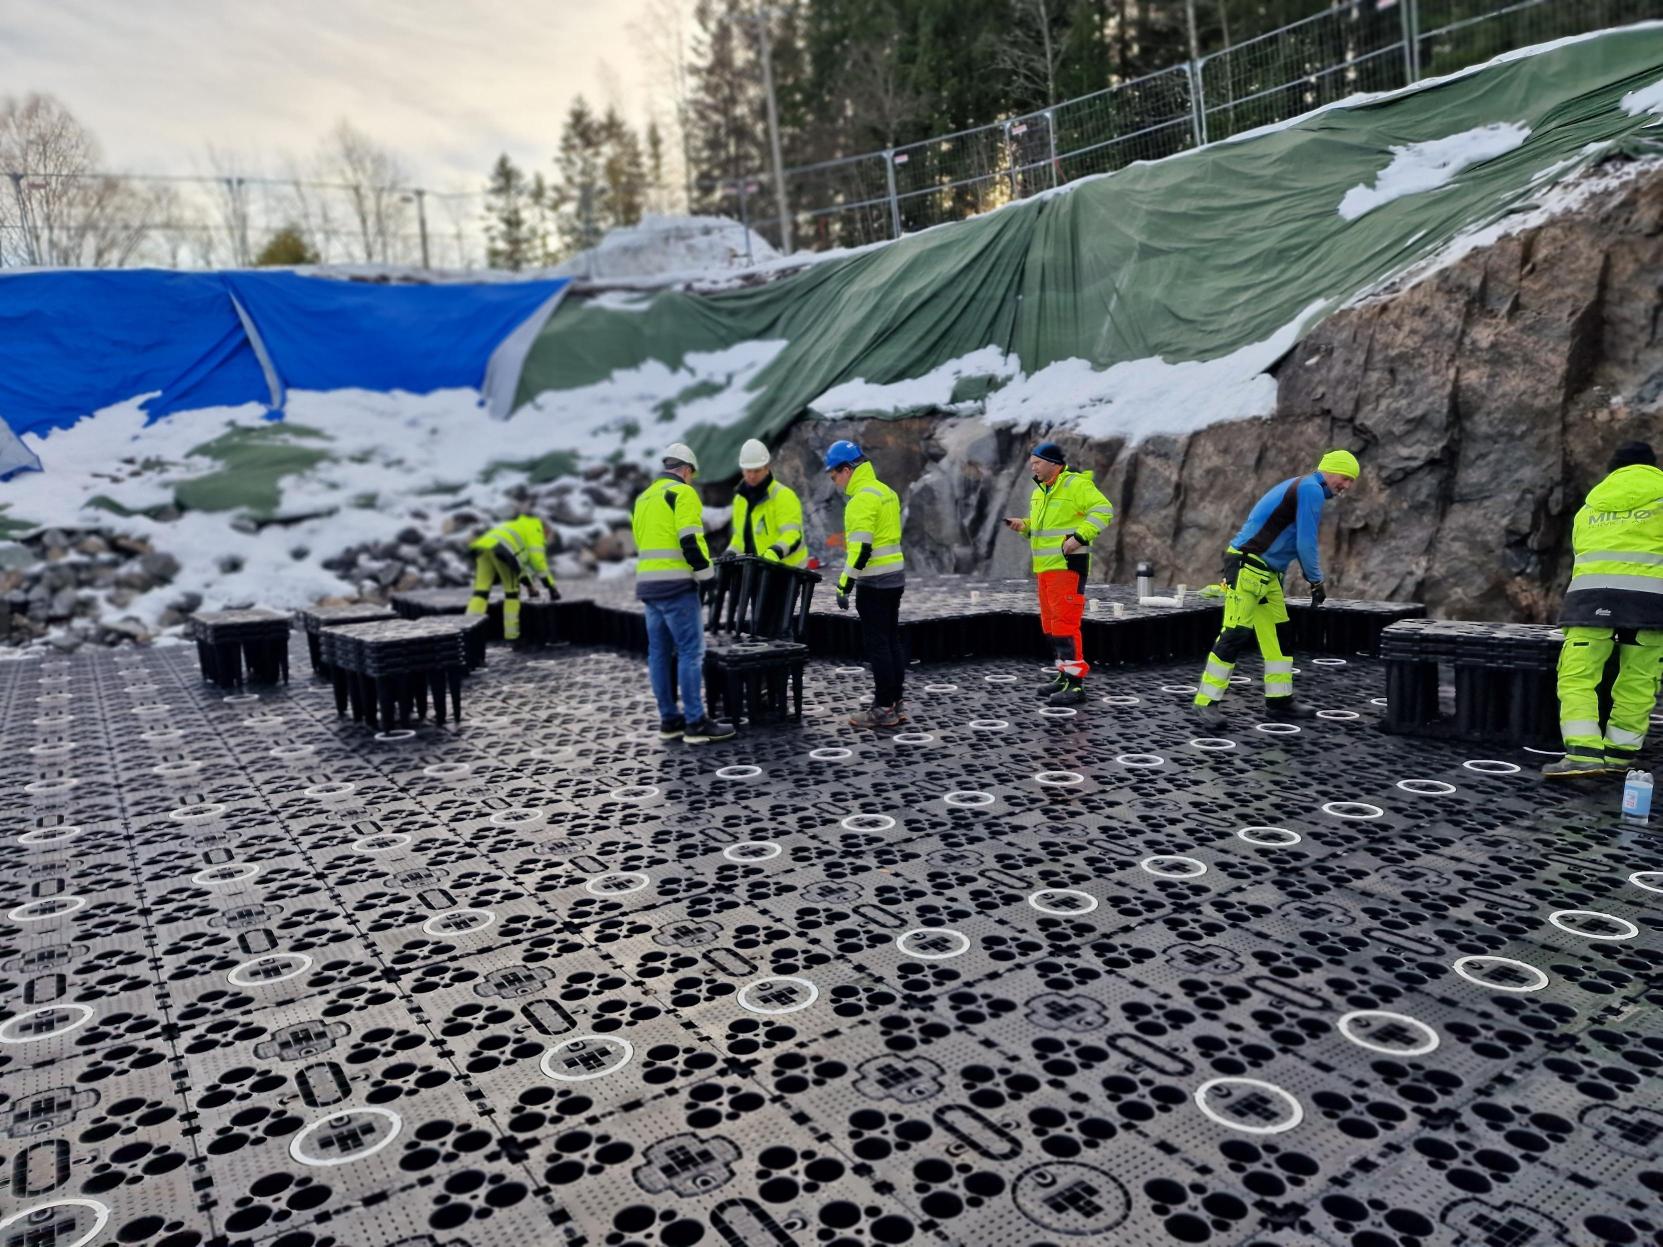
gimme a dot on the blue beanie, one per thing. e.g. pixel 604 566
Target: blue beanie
pixel 1051 453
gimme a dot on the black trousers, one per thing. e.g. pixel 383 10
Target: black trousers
pixel 880 626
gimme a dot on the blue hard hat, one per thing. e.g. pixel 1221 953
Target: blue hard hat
pixel 840 454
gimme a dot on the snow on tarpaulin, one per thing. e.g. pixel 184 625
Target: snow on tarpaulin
pixel 1094 305
pixel 320 334
pixel 75 341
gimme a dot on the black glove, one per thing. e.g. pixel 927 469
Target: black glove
pixel 1319 595
pixel 726 556
pixel 554 594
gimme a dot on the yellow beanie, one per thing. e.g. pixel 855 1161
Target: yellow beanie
pixel 1340 463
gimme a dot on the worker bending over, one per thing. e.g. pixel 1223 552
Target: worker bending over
pixel 1281 527
pixel 1065 514
pixel 1615 599
pixel 515 553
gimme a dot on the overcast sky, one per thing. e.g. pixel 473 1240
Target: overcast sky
pixel 447 83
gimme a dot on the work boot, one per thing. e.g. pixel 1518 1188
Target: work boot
pixel 897 714
pixel 706 730
pixel 1072 692
pixel 672 727
pixel 874 717
pixel 1571 766
pixel 1056 684
pixel 1284 709
pixel 1208 714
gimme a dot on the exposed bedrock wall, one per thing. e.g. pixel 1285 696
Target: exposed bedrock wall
pixel 1483 400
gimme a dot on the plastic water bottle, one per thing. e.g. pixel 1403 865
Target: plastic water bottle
pixel 1146 579
pixel 1637 796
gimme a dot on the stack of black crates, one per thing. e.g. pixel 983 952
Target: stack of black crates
pixel 753 666
pixel 385 672
pixel 316 618
pixel 1503 681
pixel 242 646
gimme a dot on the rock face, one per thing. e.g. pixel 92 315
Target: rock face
pixel 1483 401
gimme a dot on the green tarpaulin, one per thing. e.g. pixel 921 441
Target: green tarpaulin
pixel 1190 258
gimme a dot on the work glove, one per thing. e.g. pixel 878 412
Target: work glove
pixel 530 588
pixel 777 553
pixel 726 556
pixel 1319 595
pixel 554 594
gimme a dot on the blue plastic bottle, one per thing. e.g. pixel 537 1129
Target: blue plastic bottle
pixel 1637 796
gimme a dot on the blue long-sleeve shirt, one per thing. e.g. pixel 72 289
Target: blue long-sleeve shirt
pixel 1283 526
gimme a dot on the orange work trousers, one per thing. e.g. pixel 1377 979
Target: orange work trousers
pixel 1062 603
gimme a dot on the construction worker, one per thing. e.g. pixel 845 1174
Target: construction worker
pixel 872 540
pixel 672 563
pixel 1281 527
pixel 767 516
pixel 1615 598
pixel 1065 514
pixel 515 553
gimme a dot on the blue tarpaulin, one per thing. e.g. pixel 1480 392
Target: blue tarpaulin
pixel 73 342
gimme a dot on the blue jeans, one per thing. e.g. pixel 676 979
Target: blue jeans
pixel 675 633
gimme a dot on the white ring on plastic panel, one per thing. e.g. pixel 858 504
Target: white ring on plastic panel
pixel 1213 744
pixel 448 770
pixel 394 735
pixel 238 977
pixel 743 771
pixel 967 798
pixel 1059 779
pixel 848 670
pixel 298 1153
pixel 431 926
pixel 264 722
pixel 54 750
pixel 1428 1044
pixel 292 753
pixel 28 911
pixel 1352 809
pixel 8 1033
pixel 1544 753
pixel 519 818
pixel 1297 1115
pixel 1075 911
pixel 1277 729
pixel 332 790
pixel 176 770
pixel 964 943
pixel 1201 867
pixel 940 688
pixel 202 877
pixel 1338 716
pixel 830 754
pixel 912 738
pixel 1648 880
pixel 625 1050
pixel 1426 787
pixel 999 679
pixel 240 699
pixel 734 854
pixel 1140 761
pixel 1491 766
pixel 1189 689
pixel 744 994
pixel 633 792
pixel 607 890
pixel 988 725
pixel 191 815
pixel 100 1218
pixel 1461 964
pixel 1058 712
pixel 52 787
pixel 1282 838
pixel 68 831
pixel 161 735
pixel 380 842
pixel 1119 699
pixel 867 822
pixel 1329 662
pixel 1377 701
pixel 1557 914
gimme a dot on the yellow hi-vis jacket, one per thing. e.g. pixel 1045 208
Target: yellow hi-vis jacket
pixel 668 524
pixel 776 525
pixel 1617 581
pixel 522 540
pixel 1071 505
pixel 871 532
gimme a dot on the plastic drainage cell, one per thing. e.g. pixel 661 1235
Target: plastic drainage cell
pixel 739 772
pixel 395 735
pixel 778 995
pixel 999 679
pixel 1062 902
pixel 161 735
pixel 583 1058
pixel 190 815
pixel 1172 866
pixel 1329 662
pixel 1501 974
pixel 1140 761
pixel 848 670
pixel 52 835
pixel 1648 880
pixel 334 790
pixel 933 943
pixel 1119 699
pixel 47 908
pixel 912 738
pixel 54 721
pixel 617 883
pixel 633 792
pixel 152 710
pixel 1188 689
pixel 1250 1105
pixel 519 819
pixel 448 770
pixel 1615 928
pixel 830 755
pixel 1058 779
pixel 53 751
pixel 1058 712
pixel 1277 729
pixel 752 851
pixel 272 968
pixel 176 770
pixel 867 822
pixel 1338 716
pixel 65 1222
pixel 1426 787
pixel 231 872
pixel 240 699
pixel 346 1135
pixel 381 842
pixel 458 922
pixel 47 1022
pixel 988 725
pixel 1377 701
pixel 1395 1034
pixel 941 688
pixel 1269 837
pixel 1352 809
pixel 45 788
pixel 1213 744
pixel 1491 766
pixel 969 798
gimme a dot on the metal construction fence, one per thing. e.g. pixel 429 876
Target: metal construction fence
pixel 1356 46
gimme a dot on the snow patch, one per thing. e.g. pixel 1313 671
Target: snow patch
pixel 1645 100
pixel 1420 167
pixel 662 245
pixel 933 389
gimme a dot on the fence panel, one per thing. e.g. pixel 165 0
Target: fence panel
pixel 1458 33
pixel 1144 119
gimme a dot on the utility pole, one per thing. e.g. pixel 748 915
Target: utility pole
pixel 1189 19
pixel 421 223
pixel 774 128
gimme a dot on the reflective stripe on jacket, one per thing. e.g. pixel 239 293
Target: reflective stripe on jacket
pixel 777 520
pixel 522 537
pixel 666 519
pixel 1071 505
pixel 871 527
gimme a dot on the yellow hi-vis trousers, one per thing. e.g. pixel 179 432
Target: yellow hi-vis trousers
pixel 1582 661
pixel 492 566
pixel 1253 606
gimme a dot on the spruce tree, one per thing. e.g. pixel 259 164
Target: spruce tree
pixel 507 233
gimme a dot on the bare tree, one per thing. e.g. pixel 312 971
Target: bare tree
pixel 661 34
pixel 882 102
pixel 230 191
pixel 1029 56
pixel 374 179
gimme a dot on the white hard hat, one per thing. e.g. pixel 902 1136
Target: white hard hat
pixel 680 450
pixel 753 454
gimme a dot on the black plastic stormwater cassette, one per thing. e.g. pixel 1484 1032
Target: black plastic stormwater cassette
pixel 1008 976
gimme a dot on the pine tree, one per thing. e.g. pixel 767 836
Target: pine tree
pixel 507 233
pixel 580 189
pixel 288 246
pixel 624 167
pixel 726 128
